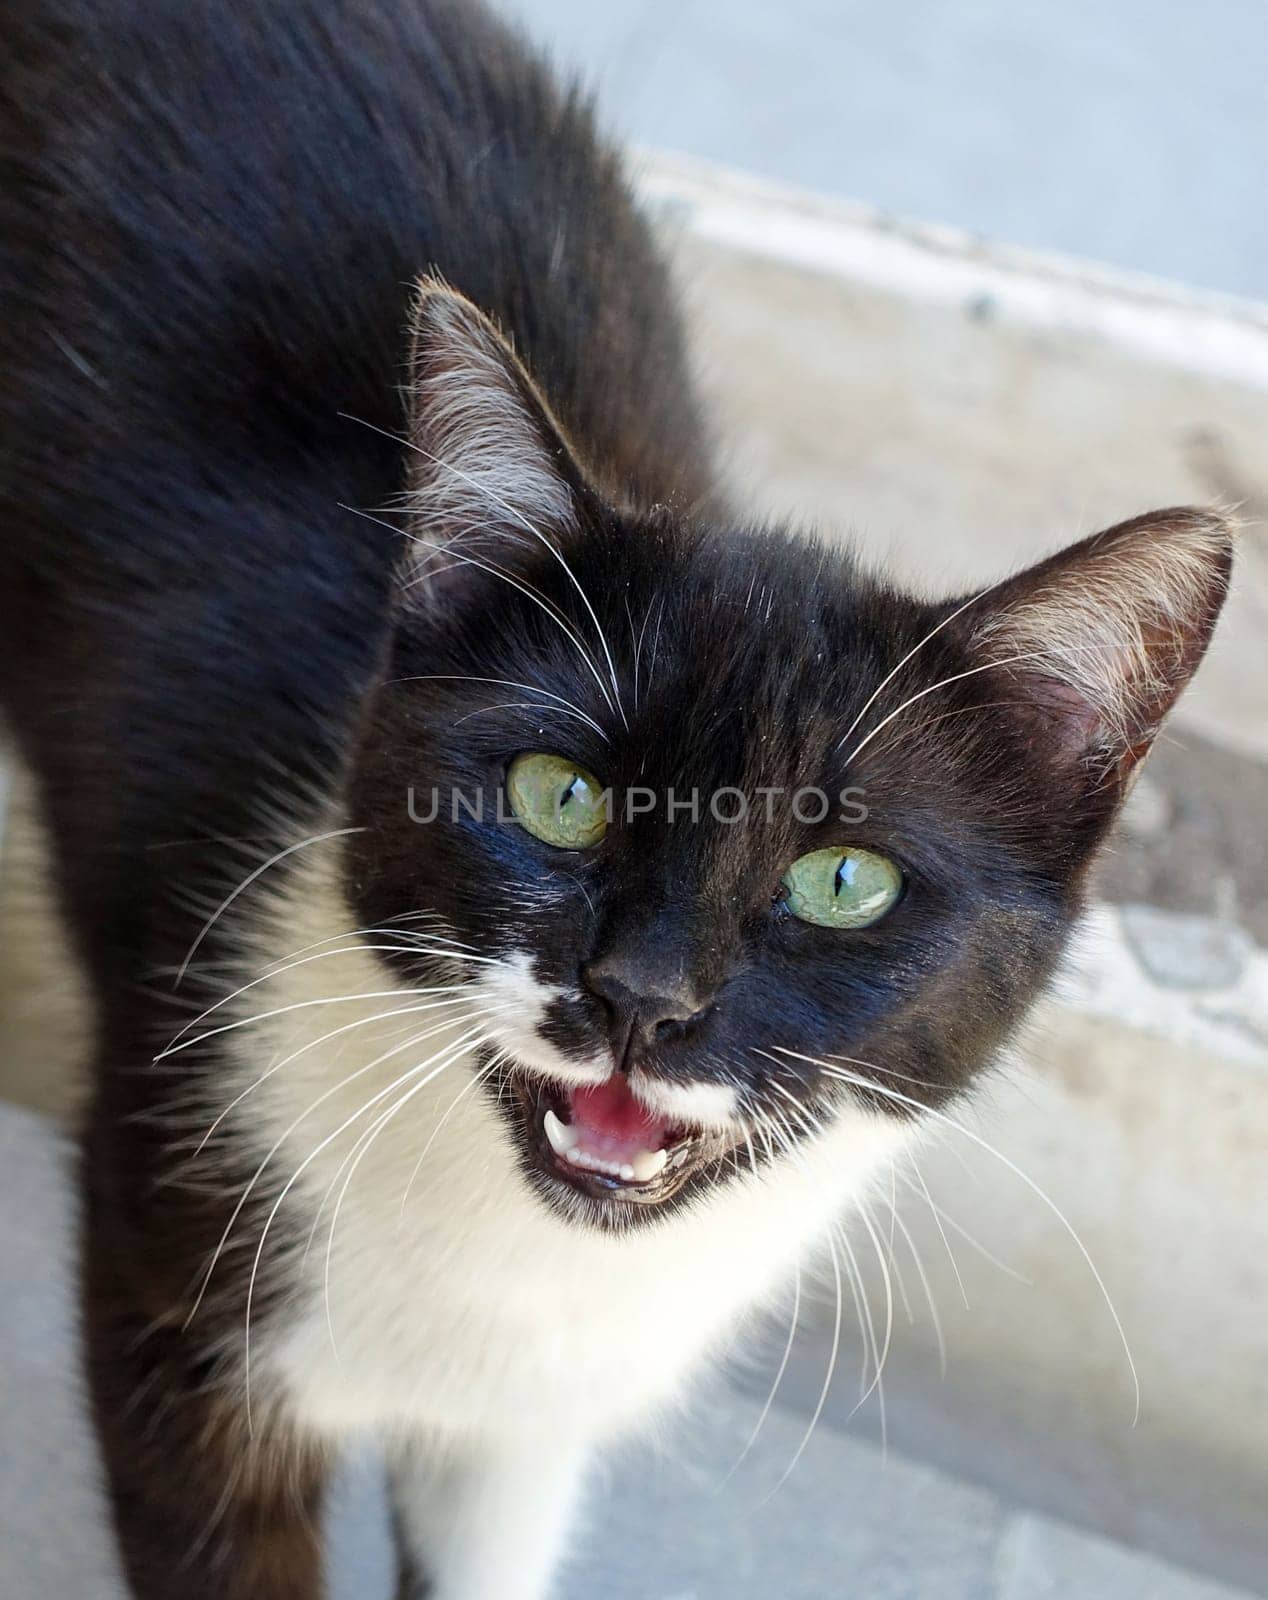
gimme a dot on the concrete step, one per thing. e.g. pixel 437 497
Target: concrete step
pixel 849 1523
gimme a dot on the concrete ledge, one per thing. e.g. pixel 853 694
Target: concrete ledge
pixel 1215 335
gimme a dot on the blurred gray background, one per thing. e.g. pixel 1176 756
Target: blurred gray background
pixel 1134 133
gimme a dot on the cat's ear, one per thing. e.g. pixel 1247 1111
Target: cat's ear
pixel 489 466
pixel 1097 642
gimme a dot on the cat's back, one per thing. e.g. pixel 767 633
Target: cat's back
pixel 211 218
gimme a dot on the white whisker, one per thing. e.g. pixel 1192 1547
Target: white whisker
pixel 873 1087
pixel 530 591
pixel 955 1266
pixel 894 671
pixel 794 1319
pixel 457 999
pixel 469 1042
pixel 925 1285
pixel 292 849
pixel 505 683
pixel 942 683
pixel 518 517
pixel 281 1140
pixel 293 1180
pixel 827 1381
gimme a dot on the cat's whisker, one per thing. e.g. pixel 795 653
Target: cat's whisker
pixel 585 895
pixel 638 645
pixel 304 1005
pixel 914 651
pixel 278 970
pixel 335 938
pixel 290 1184
pixel 804 1117
pixel 552 549
pixel 784 1359
pixel 934 1317
pixel 651 669
pixel 530 591
pixel 458 999
pixel 516 705
pixel 958 711
pixel 541 600
pixel 518 517
pixel 942 683
pixel 468 1044
pixel 814 1126
pixel 867 1326
pixel 858 1081
pixel 883 1356
pixel 277 1145
pixel 900 1277
pixel 747 1133
pixel 933 1211
pixel 252 877
pixel 392 926
pixel 827 1381
pixel 1071 652
pixel 976 1244
pixel 484 1012
pixel 629 617
pixel 480 1077
pixel 506 683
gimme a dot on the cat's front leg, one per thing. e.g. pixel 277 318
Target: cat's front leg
pixel 486 1520
pixel 204 1509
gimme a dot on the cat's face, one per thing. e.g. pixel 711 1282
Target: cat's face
pixel 843 831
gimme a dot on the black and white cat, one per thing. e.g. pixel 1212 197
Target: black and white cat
pixel 523 901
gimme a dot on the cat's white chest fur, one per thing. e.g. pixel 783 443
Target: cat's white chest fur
pixel 437 1290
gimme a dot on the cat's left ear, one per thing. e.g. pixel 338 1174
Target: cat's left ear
pixel 489 466
pixel 1097 642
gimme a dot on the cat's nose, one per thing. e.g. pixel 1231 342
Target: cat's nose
pixel 645 1003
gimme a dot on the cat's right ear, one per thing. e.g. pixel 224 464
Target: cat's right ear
pixel 489 468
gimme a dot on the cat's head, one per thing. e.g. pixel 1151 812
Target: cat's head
pixel 722 833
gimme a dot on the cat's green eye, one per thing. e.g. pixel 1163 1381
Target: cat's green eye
pixel 557 801
pixel 842 888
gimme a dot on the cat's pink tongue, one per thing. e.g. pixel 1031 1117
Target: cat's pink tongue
pixel 611 1112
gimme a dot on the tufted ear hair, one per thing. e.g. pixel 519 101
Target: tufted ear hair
pixel 489 466
pixel 1098 641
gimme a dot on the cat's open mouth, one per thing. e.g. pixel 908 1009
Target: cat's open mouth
pixel 607 1144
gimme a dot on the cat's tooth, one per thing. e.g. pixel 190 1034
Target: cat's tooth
pixel 626 1173
pixel 647 1164
pixel 562 1138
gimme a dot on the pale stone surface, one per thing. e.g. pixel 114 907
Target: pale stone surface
pixel 1186 952
pixel 44 1010
pixel 1041 1560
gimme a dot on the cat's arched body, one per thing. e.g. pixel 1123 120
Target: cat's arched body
pixel 349 453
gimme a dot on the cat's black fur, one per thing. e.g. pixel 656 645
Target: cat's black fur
pixel 213 219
